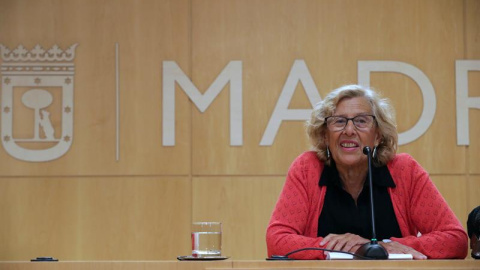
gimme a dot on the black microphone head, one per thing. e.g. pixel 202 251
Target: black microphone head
pixel 366 150
pixel 372 251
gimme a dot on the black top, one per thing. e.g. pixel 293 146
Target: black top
pixel 340 215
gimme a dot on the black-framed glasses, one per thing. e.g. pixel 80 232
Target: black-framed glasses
pixel 362 122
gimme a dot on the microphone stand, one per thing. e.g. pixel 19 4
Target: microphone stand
pixel 372 250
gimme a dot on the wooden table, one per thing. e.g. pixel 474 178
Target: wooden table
pixel 241 265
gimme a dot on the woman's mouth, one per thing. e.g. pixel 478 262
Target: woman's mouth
pixel 349 144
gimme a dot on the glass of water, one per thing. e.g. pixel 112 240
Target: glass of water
pixel 206 239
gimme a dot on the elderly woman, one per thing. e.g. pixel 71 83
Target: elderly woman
pixel 325 200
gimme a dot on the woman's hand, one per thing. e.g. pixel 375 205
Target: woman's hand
pixel 343 242
pixel 396 247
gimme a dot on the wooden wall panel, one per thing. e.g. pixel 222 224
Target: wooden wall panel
pixel 244 206
pixel 267 44
pixel 474 115
pixel 277 33
pixel 472 25
pixel 473 191
pixel 115 218
pixel 148 32
pixel 472 51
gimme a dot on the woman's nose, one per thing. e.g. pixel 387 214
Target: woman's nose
pixel 350 127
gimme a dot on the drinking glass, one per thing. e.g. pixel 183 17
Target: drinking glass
pixel 206 239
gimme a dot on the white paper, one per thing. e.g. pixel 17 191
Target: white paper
pixel 344 256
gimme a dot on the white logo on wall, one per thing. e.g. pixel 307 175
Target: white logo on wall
pixel 37 102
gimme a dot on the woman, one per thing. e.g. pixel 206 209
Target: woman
pixel 325 200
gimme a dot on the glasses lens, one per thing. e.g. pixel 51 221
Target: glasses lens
pixel 336 122
pixel 363 121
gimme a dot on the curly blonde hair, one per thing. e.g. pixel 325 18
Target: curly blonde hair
pixel 381 108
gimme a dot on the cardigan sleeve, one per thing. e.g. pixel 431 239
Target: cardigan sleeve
pixel 441 234
pixel 288 227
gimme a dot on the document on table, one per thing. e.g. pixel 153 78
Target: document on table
pixel 344 256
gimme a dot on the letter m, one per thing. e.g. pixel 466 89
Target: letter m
pixel 231 73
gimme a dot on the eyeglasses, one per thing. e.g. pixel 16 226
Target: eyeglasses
pixel 361 122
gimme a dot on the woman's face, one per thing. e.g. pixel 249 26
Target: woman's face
pixel 346 146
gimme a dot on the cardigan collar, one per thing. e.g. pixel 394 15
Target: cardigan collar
pixel 380 176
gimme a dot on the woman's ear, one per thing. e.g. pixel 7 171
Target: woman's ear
pixel 325 138
pixel 378 138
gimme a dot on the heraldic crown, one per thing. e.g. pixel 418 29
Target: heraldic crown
pixel 37 54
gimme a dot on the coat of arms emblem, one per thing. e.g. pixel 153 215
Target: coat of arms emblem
pixel 37 85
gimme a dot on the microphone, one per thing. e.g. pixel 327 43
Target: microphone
pixel 371 250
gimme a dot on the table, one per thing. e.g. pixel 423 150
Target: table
pixel 241 265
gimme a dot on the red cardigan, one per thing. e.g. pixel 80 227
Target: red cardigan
pixel 418 205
